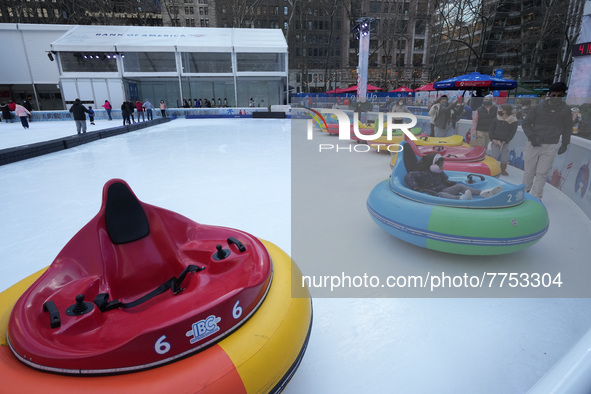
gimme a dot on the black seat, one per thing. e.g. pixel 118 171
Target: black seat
pixel 409 157
pixel 125 218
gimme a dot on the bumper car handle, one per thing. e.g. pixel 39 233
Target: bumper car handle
pixel 471 176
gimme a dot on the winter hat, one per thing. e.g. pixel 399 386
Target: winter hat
pixel 435 167
pixel 558 87
pixel 436 158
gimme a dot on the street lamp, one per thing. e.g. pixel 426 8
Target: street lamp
pixel 363 27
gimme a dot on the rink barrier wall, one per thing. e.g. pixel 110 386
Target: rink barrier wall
pixel 18 153
pixel 273 111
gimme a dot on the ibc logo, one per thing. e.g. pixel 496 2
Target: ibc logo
pixel 204 328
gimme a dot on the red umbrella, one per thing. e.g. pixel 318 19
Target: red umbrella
pixel 354 88
pixel 402 89
pixel 336 91
pixel 426 88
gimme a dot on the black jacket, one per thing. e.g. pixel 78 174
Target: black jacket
pixel 78 111
pixel 548 123
pixel 485 117
pixel 6 112
pixel 503 130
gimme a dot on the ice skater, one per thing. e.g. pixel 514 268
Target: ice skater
pixel 91 114
pixel 22 113
pixel 79 112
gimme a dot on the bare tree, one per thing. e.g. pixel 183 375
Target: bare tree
pixel 392 32
pixel 464 25
pixel 238 13
pixel 557 29
pixel 571 30
pixel 332 9
pixel 171 11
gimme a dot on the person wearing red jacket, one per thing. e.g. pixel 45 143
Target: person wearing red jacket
pixel 140 111
pixel 107 106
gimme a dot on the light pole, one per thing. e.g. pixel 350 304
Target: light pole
pixel 364 28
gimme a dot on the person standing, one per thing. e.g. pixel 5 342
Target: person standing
pixel 27 104
pixel 481 121
pixel 433 110
pixel 6 115
pixel 131 109
pixel 140 111
pixel 544 127
pixel 580 126
pixel 107 106
pixel 501 132
pixel 399 107
pixel 148 107
pixel 163 108
pixel 78 111
pixel 125 113
pixel 91 114
pixel 22 113
pixel 442 119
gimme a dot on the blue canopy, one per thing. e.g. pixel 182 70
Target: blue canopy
pixel 475 80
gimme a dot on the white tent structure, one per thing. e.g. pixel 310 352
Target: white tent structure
pixel 117 63
pixel 25 68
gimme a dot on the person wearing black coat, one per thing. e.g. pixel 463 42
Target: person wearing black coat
pixel 125 113
pixel 6 115
pixel 131 109
pixel 79 112
pixel 27 104
pixel 548 128
pixel 501 132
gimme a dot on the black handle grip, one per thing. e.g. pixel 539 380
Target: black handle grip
pixel 238 244
pixel 54 314
pixel 470 176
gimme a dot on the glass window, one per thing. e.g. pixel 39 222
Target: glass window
pixel 206 62
pixel 260 61
pixel 420 27
pixel 88 62
pixel 149 62
pixel 374 6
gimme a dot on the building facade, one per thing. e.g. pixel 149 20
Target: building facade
pixel 188 13
pixel 119 63
pixel 412 41
pixel 528 40
pixel 96 12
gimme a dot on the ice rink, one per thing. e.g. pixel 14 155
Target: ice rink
pixel 237 173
